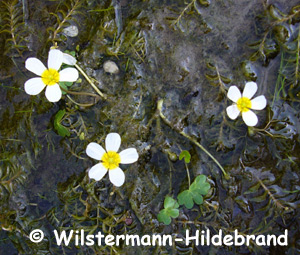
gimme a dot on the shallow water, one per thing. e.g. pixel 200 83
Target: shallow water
pixel 162 53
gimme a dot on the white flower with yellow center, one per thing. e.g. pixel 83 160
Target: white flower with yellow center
pixel 243 103
pixel 110 159
pixel 51 76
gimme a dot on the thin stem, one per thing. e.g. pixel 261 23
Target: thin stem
pixel 188 173
pixel 159 108
pixel 11 8
pixel 90 81
pixel 60 26
pixel 79 93
pixel 277 203
pixel 297 57
pixel 79 104
pixel 184 10
pixel 187 170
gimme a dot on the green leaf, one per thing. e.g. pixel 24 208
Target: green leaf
pixel 72 53
pixel 186 155
pixel 197 197
pixel 195 193
pixel 163 217
pixel 170 203
pixel 68 83
pixel 185 197
pixel 201 185
pixel 253 189
pixel 200 179
pixel 61 130
pixel 174 213
pixel 64 86
pixel 169 211
pixel 261 198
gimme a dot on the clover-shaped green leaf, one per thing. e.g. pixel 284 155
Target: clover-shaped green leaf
pixel 195 192
pixel 170 210
pixel 186 155
pixel 61 130
pixel 201 184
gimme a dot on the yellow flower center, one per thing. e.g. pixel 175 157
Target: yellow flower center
pixel 111 160
pixel 244 104
pixel 50 76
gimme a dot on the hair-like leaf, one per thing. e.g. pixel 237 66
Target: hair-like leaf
pixel 63 18
pixel 14 27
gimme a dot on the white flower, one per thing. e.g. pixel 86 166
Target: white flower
pixel 243 103
pixel 50 77
pixel 68 59
pixel 110 159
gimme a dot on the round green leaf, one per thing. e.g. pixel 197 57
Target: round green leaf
pixel 174 213
pixel 186 198
pixel 186 155
pixel 170 202
pixel 163 217
pixel 197 198
pixel 200 179
pixel 183 196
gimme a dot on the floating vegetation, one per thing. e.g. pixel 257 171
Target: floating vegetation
pixel 170 210
pixel 194 194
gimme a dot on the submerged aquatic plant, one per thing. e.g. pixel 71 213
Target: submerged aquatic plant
pixel 110 159
pixel 243 103
pixel 13 26
pixel 50 76
pixel 63 17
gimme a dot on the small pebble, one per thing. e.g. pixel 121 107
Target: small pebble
pixel 110 67
pixel 71 31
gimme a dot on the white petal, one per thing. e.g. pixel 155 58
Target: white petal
pixel 68 74
pixel 116 176
pixel 232 111
pixel 35 65
pixel 258 103
pixel 112 142
pixel 34 86
pixel 95 151
pixel 234 93
pixel 129 156
pixel 53 93
pixel 68 59
pixel 250 118
pixel 250 89
pixel 97 172
pixel 55 59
